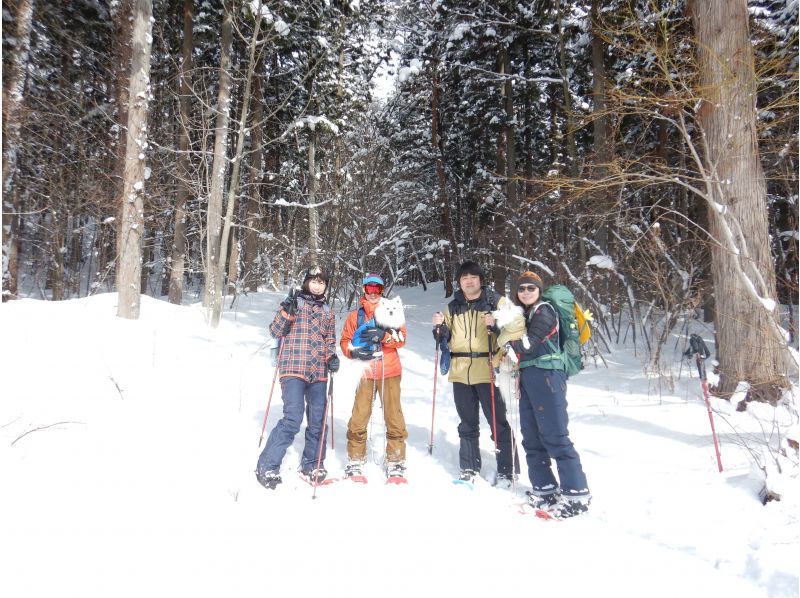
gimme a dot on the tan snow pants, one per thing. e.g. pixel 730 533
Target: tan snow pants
pixel 389 392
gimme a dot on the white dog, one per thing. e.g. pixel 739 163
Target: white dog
pixel 389 314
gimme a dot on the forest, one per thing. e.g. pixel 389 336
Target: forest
pixel 645 153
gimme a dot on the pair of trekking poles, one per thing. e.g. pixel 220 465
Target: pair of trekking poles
pixel 328 406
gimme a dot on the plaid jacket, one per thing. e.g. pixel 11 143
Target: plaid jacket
pixel 308 340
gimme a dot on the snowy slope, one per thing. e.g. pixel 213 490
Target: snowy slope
pixel 127 452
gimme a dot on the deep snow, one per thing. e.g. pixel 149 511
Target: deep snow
pixel 127 451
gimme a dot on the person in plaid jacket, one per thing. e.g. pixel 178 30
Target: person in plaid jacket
pixel 306 329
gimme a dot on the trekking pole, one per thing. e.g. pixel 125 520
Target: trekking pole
pixel 330 401
pixel 491 388
pixel 321 442
pixel 698 348
pixel 435 373
pixel 272 388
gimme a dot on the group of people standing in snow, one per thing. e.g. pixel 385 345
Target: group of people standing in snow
pixel 305 326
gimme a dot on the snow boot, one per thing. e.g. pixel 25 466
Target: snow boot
pixel 504 481
pixel 269 479
pixel 396 470
pixel 314 476
pixel 569 507
pixel 542 501
pixel 354 468
pixel 467 476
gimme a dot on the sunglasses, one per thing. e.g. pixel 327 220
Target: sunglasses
pixel 527 288
pixel 373 289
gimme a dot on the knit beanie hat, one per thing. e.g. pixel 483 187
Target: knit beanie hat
pixel 312 273
pixel 470 267
pixel 529 277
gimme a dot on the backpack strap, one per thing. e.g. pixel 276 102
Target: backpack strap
pixel 361 317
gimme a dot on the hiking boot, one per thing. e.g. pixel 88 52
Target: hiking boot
pixel 542 501
pixel 354 468
pixel 396 470
pixel 569 507
pixel 504 480
pixel 315 476
pixel 467 475
pixel 269 479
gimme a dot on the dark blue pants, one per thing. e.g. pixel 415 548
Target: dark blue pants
pixel 299 396
pixel 467 398
pixel 544 421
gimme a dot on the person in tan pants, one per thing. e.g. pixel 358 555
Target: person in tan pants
pixel 381 377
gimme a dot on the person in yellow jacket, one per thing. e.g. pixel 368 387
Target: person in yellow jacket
pixel 467 326
pixel 381 376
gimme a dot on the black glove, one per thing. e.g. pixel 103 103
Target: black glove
pixel 373 336
pixel 364 353
pixel 443 333
pixel 289 305
pixel 333 364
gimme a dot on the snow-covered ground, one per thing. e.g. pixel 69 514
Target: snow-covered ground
pixel 127 451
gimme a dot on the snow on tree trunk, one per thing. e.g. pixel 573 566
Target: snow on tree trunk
pixel 131 227
pixel 748 349
pixel 13 86
pixel 219 165
pixel 184 190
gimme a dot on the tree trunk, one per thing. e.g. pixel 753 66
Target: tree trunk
pixel 219 166
pixel 445 224
pixel 132 199
pixel 313 213
pixel 748 347
pixel 603 148
pixel 13 87
pixel 177 262
pixel 253 211
pixel 233 188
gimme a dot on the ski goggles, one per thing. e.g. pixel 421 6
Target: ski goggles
pixel 527 288
pixel 372 288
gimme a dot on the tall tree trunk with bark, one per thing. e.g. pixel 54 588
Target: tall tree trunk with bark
pixel 219 166
pixel 233 186
pixel 255 165
pixel 603 147
pixel 178 254
pixel 13 87
pixel 131 226
pixel 744 277
pixel 445 223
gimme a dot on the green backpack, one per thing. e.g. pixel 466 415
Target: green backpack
pixel 567 355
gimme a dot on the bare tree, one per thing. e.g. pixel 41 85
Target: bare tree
pixel 131 225
pixel 220 164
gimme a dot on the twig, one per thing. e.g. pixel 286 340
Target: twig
pixel 42 428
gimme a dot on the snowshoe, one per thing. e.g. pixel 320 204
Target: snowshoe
pixel 353 472
pixel 316 477
pixel 396 473
pixel 466 478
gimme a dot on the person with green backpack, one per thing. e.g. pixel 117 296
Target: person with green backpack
pixel 547 356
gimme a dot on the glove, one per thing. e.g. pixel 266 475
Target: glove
pixel 289 305
pixel 363 353
pixel 373 336
pixel 444 333
pixel 333 364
